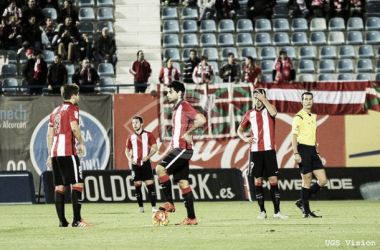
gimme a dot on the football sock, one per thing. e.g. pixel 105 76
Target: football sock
pixel 139 195
pixel 152 193
pixel 275 195
pixel 166 185
pixel 59 199
pixel 305 194
pixel 260 196
pixel 76 196
pixel 189 202
pixel 314 189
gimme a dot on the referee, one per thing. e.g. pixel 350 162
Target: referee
pixel 306 154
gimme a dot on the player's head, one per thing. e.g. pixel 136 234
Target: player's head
pixel 70 92
pixel 307 100
pixel 137 123
pixel 258 104
pixel 176 91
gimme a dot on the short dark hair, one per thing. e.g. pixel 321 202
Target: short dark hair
pixel 59 56
pixel 261 91
pixel 137 117
pixel 306 93
pixel 167 60
pixel 177 86
pixel 68 90
pixel 204 58
pixel 283 51
pixel 138 52
pixel 231 54
pixel 193 50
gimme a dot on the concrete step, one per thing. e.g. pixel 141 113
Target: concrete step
pixel 139 39
pixel 135 25
pixel 137 12
pixel 138 2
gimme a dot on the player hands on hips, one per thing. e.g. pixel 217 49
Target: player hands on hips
pixel 140 147
pixel 305 150
pixel 186 119
pixel 262 157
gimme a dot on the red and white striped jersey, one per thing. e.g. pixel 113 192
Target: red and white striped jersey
pixel 183 119
pixel 60 121
pixel 167 75
pixel 140 145
pixel 262 128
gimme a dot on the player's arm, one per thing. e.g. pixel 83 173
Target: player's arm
pixel 128 154
pixel 153 150
pixel 199 121
pixel 49 142
pixel 271 109
pixel 76 131
pixel 249 140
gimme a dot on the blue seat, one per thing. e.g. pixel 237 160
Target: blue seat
pixel 364 65
pixel 372 37
pixel 373 9
pixel 372 23
pixel 189 41
pixel 86 14
pixel 9 70
pixel 268 53
pixel 280 39
pixel 243 2
pixel 70 69
pixel 105 69
pixel 266 66
pixel 326 66
pixel 86 27
pixel 355 23
pixel 211 53
pixel 172 53
pixel 345 66
pixel 23 58
pixel 363 77
pixel 228 50
pixel 171 41
pixel 336 38
pixel 177 66
pixel 281 24
pixel 345 77
pixel 215 67
pixel 10 86
pixel 327 52
pixel 48 56
pixel 106 84
pixel 306 52
pixel 226 26
pixel 306 78
pixel 189 26
pixel 336 24
pixel 318 24
pixel 377 77
pixel 281 11
pixel 208 26
pixel 250 51
pixel 263 25
pixel 189 13
pixel 325 77
pixel 50 12
pixel 170 27
pixel 244 39
pixel 244 25
pixel 186 53
pixel 104 24
pixel 317 38
pixel 354 37
pixel 208 40
pixel 262 39
pixel 105 3
pixel 105 14
pixel 306 66
pixel 24 90
pixel 225 40
pixel 12 56
pixel 299 24
pixel 169 13
pixel 299 38
pixel 346 52
pixel 266 78
pixel 365 51
pixel 290 51
pixel 242 12
pixel 86 3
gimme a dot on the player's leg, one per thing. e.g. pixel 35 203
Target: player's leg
pixel 137 181
pixel 260 197
pixel 256 170
pixel 59 194
pixel 152 194
pixel 165 183
pixel 187 194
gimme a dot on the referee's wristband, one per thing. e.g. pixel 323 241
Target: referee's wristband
pixel 296 153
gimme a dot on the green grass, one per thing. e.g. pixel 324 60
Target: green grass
pixel 222 225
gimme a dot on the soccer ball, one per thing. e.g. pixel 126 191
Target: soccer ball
pixel 160 218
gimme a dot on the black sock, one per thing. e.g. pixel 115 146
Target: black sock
pixel 314 189
pixel 260 197
pixel 166 185
pixel 152 193
pixel 76 199
pixel 275 195
pixel 139 195
pixel 305 194
pixel 189 202
pixel 59 199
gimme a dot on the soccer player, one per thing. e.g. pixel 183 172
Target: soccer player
pixel 186 119
pixel 63 133
pixel 306 154
pixel 140 147
pixel 262 158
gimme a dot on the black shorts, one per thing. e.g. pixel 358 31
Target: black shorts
pixel 310 160
pixel 142 173
pixel 263 163
pixel 177 163
pixel 66 170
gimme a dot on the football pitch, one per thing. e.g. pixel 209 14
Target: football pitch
pixel 222 225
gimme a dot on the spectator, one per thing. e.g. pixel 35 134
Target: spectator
pixel 86 77
pixel 356 8
pixel 251 72
pixel 190 3
pixel 12 36
pixel 168 73
pixel 85 48
pixel 283 70
pixel 32 10
pixel 68 34
pixel 106 49
pixel 318 8
pixel 230 72
pixel 226 9
pixel 68 11
pixel 12 10
pixel 57 75
pixel 141 71
pixel 31 33
pixel 338 8
pixel 35 72
pixel 49 4
pixel 301 8
pixel 206 9
pixel 203 73
pixel 188 67
pixel 260 8
pixel 49 34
